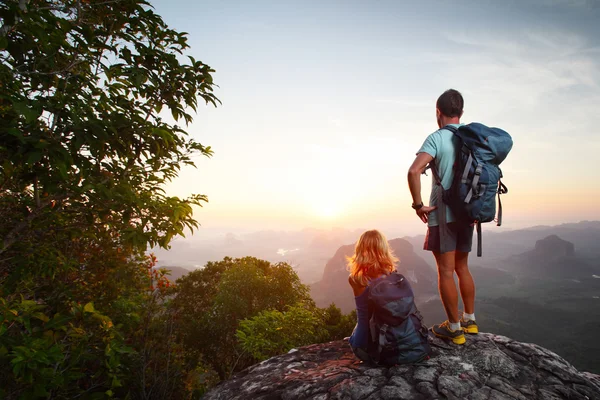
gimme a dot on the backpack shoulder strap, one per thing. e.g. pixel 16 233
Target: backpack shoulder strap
pixel 451 128
pixel 431 165
pixel 436 177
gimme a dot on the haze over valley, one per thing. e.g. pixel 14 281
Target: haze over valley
pixel 540 284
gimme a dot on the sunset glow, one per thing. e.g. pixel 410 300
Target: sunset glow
pixel 331 142
pixel 327 209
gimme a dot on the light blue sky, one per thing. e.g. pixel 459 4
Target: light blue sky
pixel 326 102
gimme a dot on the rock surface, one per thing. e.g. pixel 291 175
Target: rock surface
pixel 487 367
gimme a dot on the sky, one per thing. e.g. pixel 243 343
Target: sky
pixel 325 103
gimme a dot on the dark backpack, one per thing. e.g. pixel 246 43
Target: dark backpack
pixel 477 175
pixel 397 332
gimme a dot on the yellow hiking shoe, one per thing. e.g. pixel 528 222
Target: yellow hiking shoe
pixel 469 326
pixel 443 331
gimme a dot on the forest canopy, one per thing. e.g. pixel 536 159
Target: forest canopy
pixel 85 153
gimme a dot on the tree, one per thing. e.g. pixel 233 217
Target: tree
pixel 82 134
pixel 273 332
pixel 236 312
pixel 336 324
pixel 212 301
pixel 94 99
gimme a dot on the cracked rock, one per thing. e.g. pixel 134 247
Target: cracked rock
pixel 487 367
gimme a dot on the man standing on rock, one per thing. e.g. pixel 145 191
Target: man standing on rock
pixel 439 149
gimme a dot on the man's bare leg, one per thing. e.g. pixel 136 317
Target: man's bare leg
pixel 465 281
pixel 448 293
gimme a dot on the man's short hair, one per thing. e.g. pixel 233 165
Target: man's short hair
pixel 450 103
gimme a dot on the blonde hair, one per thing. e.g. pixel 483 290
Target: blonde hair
pixel 372 258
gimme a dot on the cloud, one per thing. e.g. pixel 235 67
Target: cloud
pixel 542 87
pixel 533 63
pixel 336 122
pixel 561 43
pixel 404 102
pixel 581 4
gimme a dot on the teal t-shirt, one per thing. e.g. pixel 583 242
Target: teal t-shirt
pixel 441 145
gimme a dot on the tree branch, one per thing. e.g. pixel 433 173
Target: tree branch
pixel 4 29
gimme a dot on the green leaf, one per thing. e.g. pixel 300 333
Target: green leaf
pixel 89 307
pixel 41 316
pixel 34 157
pixel 22 108
pixel 62 169
pixel 57 321
pixel 28 304
pixel 40 391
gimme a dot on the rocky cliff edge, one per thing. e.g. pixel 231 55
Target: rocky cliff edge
pixel 487 367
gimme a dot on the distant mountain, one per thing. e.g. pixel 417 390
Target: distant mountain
pixel 175 272
pixel 310 249
pixel 498 243
pixel 551 258
pixel 307 250
pixel 552 247
pixel 334 288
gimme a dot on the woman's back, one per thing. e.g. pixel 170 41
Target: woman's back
pixel 385 313
pixel 396 325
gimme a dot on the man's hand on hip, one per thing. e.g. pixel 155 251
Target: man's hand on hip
pixel 423 213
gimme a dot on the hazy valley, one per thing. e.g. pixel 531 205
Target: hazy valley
pixel 540 284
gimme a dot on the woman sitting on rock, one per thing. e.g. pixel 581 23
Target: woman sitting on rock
pixel 389 329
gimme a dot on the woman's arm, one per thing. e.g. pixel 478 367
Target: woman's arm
pixel 357 289
pixel 360 335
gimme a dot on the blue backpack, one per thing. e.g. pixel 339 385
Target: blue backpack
pixel 397 332
pixel 477 175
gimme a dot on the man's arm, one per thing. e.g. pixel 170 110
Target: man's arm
pixel 414 183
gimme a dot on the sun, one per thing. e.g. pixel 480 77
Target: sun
pixel 327 210
pixel 326 207
pixel 326 189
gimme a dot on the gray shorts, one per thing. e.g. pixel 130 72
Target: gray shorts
pixel 459 238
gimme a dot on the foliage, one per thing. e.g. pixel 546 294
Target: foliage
pixel 336 325
pixel 52 355
pixel 93 95
pixel 274 332
pixel 157 367
pixel 211 301
pixel 85 152
pixel 200 379
pixel 81 133
pixel 236 312
pixel 66 349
